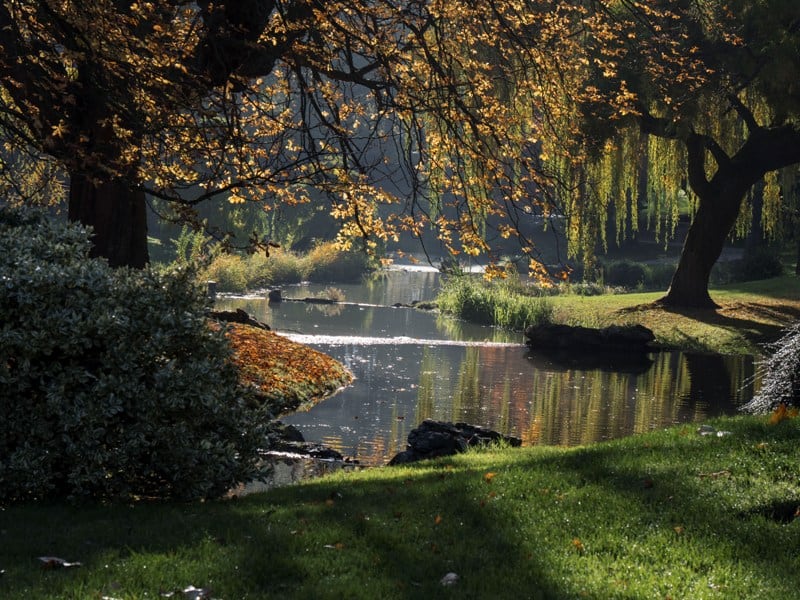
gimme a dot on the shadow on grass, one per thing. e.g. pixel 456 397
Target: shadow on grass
pixel 370 541
pixel 756 322
pixel 554 525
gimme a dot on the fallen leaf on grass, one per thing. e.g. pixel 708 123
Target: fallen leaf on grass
pixel 53 562
pixel 715 474
pixel 488 477
pixel 336 546
pixel 578 545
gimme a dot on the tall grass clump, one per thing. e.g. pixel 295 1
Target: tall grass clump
pixel 236 273
pixel 492 304
pixel 326 262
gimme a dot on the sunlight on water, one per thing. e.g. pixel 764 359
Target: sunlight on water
pixel 339 340
pixel 412 365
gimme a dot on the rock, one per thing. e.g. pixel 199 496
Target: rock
pixel 628 338
pixel 312 300
pixel 274 296
pixel 439 438
pixel 615 348
pixel 237 316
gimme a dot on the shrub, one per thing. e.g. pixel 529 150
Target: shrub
pixel 626 273
pixel 761 263
pixel 230 271
pixel 326 263
pixel 659 276
pixel 113 386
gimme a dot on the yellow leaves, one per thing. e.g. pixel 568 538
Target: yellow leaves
pixel 59 130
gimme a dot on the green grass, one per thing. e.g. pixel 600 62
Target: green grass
pixel 667 514
pixel 750 314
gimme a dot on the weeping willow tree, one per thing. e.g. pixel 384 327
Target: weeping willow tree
pixel 713 103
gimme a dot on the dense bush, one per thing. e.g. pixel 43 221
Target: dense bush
pixel 761 263
pixel 326 264
pixel 113 386
pixel 625 273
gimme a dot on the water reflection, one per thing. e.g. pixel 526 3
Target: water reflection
pixel 412 365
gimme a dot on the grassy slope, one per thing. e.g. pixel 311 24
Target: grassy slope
pixel 750 314
pixel 667 514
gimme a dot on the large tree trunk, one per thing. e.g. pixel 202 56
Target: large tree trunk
pixel 117 213
pixel 715 218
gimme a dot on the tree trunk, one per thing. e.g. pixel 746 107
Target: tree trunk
pixel 715 218
pixel 117 213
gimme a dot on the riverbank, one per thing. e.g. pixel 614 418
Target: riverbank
pixel 750 315
pixel 667 514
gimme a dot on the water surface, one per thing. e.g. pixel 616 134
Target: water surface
pixel 411 365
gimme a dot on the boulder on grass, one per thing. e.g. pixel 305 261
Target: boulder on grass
pixel 439 438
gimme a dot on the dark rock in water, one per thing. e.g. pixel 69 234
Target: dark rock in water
pixel 633 338
pixel 237 316
pixel 312 300
pixel 439 438
pixel 289 439
pixel 418 304
pixel 280 432
pixel 274 296
pixel 615 348
pixel 287 459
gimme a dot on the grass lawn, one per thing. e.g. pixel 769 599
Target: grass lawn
pixel 750 314
pixel 669 514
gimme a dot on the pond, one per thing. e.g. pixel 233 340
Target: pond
pixel 411 365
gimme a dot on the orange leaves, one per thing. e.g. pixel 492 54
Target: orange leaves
pixel 577 544
pixel 782 413
pixel 282 369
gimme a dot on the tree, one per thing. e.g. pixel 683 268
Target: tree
pixel 721 80
pixel 263 100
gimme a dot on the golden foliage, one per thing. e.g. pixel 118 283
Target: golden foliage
pixel 491 112
pixel 282 370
